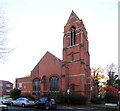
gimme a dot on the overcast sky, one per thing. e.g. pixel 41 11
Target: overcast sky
pixel 37 26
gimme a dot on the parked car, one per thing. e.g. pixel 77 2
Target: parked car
pixel 1 99
pixel 22 102
pixel 45 103
pixel 3 107
pixel 7 101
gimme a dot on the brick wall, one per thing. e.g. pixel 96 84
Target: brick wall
pixel 76 71
pixel 79 69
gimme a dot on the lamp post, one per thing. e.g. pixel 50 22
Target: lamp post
pixel 68 90
pixel 68 77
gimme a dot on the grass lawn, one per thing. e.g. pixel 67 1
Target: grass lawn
pixel 103 106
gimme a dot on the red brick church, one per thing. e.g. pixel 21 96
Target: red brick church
pixel 73 72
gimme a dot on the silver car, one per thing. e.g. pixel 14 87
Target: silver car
pixel 7 101
pixel 22 102
pixel 2 99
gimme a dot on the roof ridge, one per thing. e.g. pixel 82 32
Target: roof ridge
pixel 54 55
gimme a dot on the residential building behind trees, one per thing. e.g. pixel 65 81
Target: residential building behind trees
pixel 5 87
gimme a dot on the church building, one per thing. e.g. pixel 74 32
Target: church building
pixel 73 72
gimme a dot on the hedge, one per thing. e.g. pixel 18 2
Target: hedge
pixel 111 98
pixel 72 98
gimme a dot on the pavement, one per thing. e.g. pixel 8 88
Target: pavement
pixel 61 108
pixel 86 108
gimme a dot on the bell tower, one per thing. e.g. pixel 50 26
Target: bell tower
pixel 76 58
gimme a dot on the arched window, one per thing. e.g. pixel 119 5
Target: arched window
pixel 54 83
pixel 36 84
pixel 73 36
pixel 72 57
pixel 72 87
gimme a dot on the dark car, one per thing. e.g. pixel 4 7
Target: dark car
pixel 3 107
pixel 46 103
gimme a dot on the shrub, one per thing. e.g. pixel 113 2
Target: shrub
pixel 95 99
pixel 77 99
pixel 111 98
pixel 59 97
pixel 73 98
pixel 15 93
pixel 111 89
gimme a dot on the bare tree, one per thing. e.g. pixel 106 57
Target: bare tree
pixel 3 48
pixel 112 68
pixel 112 71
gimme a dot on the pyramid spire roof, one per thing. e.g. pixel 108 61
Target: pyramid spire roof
pixel 73 17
